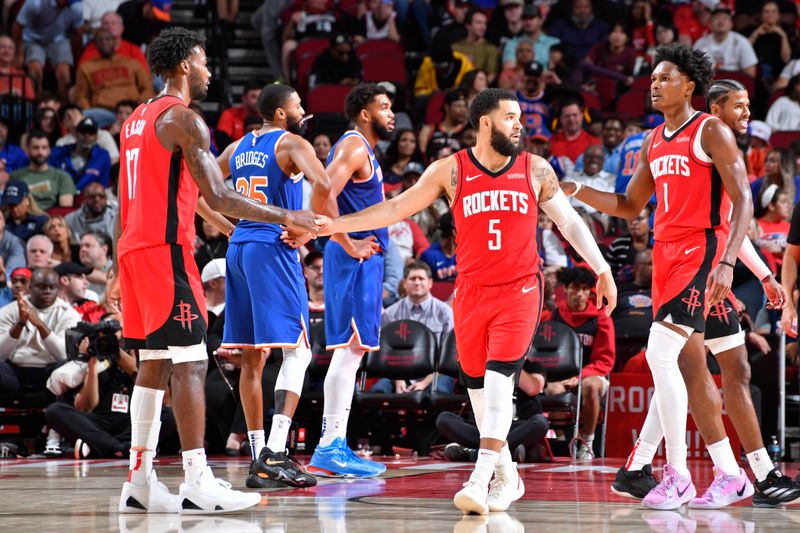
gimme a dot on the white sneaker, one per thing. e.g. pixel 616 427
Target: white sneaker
pixel 152 498
pixel 472 498
pixel 213 495
pixel 505 489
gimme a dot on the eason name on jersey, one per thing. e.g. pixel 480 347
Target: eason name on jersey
pixel 671 164
pixel 257 159
pixel 498 200
pixel 134 128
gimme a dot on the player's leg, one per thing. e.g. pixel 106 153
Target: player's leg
pixel 730 482
pixel 592 390
pixel 251 397
pixel 772 487
pixel 352 324
pixel 635 478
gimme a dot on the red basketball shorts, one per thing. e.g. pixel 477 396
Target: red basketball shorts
pixel 680 275
pixel 497 322
pixel 162 298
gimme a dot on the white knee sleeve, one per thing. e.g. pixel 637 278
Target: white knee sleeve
pixel 499 405
pixel 663 348
pixel 293 369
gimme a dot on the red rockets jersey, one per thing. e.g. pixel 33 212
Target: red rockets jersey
pixel 688 187
pixel 157 196
pixel 495 215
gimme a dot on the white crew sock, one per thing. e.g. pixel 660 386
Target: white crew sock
pixel 588 438
pixel 194 462
pixel 257 441
pixel 145 409
pixel 340 382
pixel 278 433
pixel 723 458
pixel 760 463
pixel 663 348
pixel 505 464
pixel 484 466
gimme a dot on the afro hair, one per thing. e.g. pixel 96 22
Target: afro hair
pixel 171 47
pixel 695 64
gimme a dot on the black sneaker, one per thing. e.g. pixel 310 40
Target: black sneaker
pixel 635 484
pixel 458 454
pixel 273 470
pixel 777 489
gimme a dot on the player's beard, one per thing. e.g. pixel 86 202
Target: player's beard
pixel 198 89
pixel 296 126
pixel 504 145
pixel 384 134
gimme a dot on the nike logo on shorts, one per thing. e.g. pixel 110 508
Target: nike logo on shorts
pixel 526 290
pixel 690 250
pixel 470 178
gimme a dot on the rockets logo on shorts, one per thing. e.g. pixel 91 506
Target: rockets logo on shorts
pixel 185 316
pixel 693 301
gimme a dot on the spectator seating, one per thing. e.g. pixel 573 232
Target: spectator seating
pixel 379 68
pixel 304 56
pixel 557 348
pixel 448 365
pixel 380 47
pixel 783 139
pixel 632 327
pixel 408 351
pixel 443 289
pixel 775 95
pixel 745 79
pixel 434 110
pixel 631 103
pixel 326 101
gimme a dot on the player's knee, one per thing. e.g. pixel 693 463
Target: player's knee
pixel 663 347
pixel 736 372
pixel 293 369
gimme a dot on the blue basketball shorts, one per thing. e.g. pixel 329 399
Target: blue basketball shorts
pixel 266 303
pixel 353 299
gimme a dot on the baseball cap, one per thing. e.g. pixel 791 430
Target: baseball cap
pixel 462 3
pixel 15 191
pixel 446 224
pixel 721 9
pixel 760 130
pixel 412 167
pixel 87 125
pixel 388 87
pixel 539 134
pixel 22 271
pixel 311 257
pixel 710 4
pixel 453 96
pixel 531 11
pixel 534 69
pixel 340 38
pixel 504 3
pixel 65 268
pixel 161 9
pixel 214 269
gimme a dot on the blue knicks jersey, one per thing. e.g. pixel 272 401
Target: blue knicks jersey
pixel 256 174
pixel 358 195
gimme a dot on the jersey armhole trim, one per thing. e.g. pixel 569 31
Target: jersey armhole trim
pixel 371 155
pixel 457 194
pixel 696 148
pixel 529 177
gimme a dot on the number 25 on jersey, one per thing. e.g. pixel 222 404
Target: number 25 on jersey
pixel 253 188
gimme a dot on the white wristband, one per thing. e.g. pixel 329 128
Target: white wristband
pixel 578 187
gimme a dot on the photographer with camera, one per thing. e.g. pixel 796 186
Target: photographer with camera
pixel 98 421
pixel 32 334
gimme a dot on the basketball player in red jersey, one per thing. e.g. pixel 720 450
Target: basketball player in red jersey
pixel 728 100
pixel 495 190
pixel 690 159
pixel 166 165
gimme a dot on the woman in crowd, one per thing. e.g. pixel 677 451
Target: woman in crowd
pixel 773 212
pixel 403 150
pixel 44 119
pixel 780 170
pixel 784 113
pixel 57 231
pixel 472 83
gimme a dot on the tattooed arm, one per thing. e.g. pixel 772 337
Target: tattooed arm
pixel 180 129
pixel 438 178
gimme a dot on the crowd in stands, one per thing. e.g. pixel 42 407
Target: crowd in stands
pixel 580 70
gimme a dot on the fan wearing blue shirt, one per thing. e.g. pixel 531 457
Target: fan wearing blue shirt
pixel 441 256
pixel 84 160
pixel 12 155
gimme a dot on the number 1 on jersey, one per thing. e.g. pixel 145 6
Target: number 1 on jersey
pixel 666 197
pixel 132 162
pixel 495 243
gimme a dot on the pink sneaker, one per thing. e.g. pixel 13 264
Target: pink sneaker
pixel 673 491
pixel 724 490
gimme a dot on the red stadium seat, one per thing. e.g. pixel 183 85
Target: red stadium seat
pixel 699 102
pixel 349 7
pixel 642 83
pixel 443 289
pixel 748 81
pixel 304 57
pixel 327 98
pixel 632 103
pixel 380 47
pixel 591 100
pixel 607 91
pixel 783 139
pixel 383 68
pixel 777 94
pixel 433 110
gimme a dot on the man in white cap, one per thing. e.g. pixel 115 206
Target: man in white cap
pixel 213 278
pixel 760 133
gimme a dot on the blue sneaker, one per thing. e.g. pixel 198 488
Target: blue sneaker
pixel 338 460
